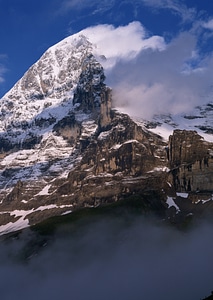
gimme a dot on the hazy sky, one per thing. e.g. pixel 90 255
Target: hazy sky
pixel 160 50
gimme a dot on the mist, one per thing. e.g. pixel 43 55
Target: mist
pixel 112 259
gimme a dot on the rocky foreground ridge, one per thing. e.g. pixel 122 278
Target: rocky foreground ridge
pixel 64 147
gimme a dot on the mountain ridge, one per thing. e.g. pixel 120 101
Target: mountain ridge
pixel 64 147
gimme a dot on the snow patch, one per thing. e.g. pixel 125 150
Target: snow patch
pixel 171 203
pixel 17 225
pixel 44 191
pixel 24 201
pixel 104 135
pixel 66 212
pixel 23 222
pixel 183 195
pixel 205 201
pixel 159 169
pixel 116 147
pixel 89 128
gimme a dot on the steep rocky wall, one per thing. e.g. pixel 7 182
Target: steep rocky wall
pixel 186 146
pixel 105 109
pixel 91 87
pixel 191 161
pixel 124 147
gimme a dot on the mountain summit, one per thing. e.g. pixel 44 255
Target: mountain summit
pixel 63 147
pixel 45 93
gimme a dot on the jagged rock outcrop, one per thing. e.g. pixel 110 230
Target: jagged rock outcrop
pixel 191 161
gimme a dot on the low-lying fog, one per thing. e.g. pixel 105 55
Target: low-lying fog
pixel 112 259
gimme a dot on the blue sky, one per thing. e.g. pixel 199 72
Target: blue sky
pixel 28 28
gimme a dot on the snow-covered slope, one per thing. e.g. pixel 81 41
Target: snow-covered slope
pixel 42 119
pixel 45 93
pixel 200 119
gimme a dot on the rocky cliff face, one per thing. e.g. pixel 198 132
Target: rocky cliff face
pixel 63 147
pixel 191 161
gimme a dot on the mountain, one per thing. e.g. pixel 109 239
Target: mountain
pixel 63 146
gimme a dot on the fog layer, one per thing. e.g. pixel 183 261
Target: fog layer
pixel 110 259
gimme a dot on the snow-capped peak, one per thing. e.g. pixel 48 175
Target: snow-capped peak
pixel 45 93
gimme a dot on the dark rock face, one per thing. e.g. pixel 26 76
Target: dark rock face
pixel 117 163
pixel 91 84
pixel 186 147
pixel 29 142
pixel 191 161
pixel 68 128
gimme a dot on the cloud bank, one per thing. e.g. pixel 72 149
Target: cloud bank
pixel 121 43
pixel 149 76
pixel 113 259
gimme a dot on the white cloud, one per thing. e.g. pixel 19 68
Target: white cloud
pixel 208 25
pixel 149 77
pixel 121 43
